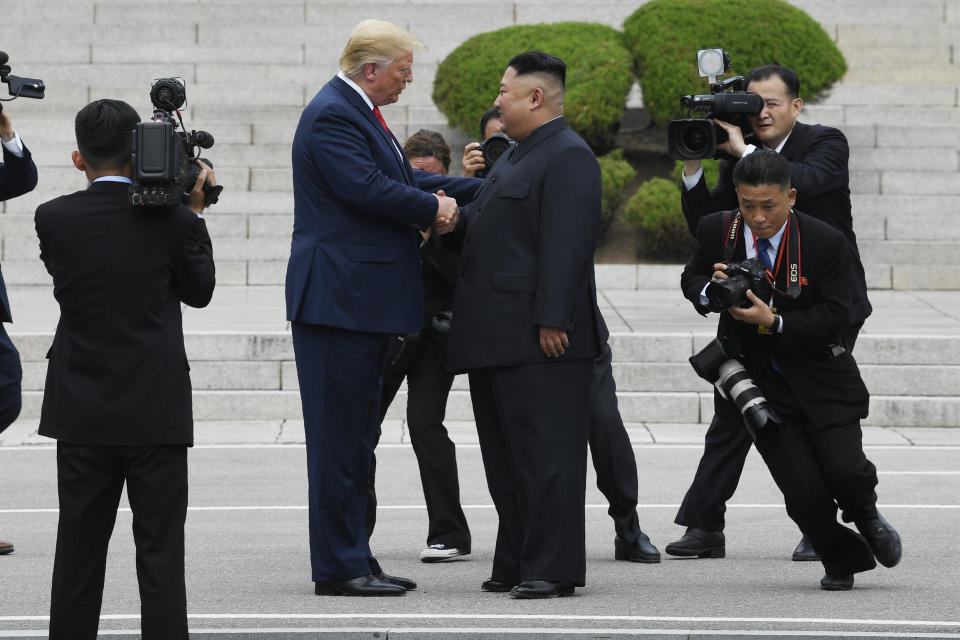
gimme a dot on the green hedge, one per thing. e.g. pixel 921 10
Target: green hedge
pixel 599 74
pixel 616 174
pixel 664 36
pixel 655 210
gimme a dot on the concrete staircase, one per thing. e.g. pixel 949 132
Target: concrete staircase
pixel 251 66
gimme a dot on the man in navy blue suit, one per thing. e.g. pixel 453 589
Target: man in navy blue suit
pixel 18 175
pixel 353 279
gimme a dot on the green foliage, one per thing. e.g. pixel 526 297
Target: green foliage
pixel 655 209
pixel 711 172
pixel 616 174
pixel 664 36
pixel 599 74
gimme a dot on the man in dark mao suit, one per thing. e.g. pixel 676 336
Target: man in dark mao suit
pixel 353 279
pixel 818 158
pixel 18 175
pixel 525 329
pixel 792 348
pixel 117 396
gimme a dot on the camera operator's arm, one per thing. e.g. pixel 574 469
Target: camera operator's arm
pixel 196 194
pixel 18 175
pixel 824 166
pixel 703 265
pixel 472 160
pixel 697 201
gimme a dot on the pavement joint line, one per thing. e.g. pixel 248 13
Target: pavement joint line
pixel 878 622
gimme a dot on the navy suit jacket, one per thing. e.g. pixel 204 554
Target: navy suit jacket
pixel 17 176
pixel 358 206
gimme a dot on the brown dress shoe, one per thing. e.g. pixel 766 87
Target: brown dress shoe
pixel 5 548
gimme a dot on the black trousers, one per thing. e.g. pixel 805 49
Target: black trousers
pixel 532 421
pixel 428 386
pixel 90 479
pixel 612 452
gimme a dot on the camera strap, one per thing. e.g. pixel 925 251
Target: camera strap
pixel 730 228
pixel 789 250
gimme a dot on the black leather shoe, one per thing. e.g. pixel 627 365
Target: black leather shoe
pixel 368 585
pixel 5 548
pixel 406 583
pixel 532 589
pixel 495 586
pixel 843 582
pixel 883 539
pixel 804 551
pixel 700 543
pixel 642 551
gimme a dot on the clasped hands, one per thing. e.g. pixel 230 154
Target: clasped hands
pixel 448 214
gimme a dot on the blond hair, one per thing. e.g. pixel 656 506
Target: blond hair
pixel 376 42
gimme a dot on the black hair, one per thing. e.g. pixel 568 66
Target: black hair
pixel 786 74
pixel 540 62
pixel 426 144
pixel 762 167
pixel 104 130
pixel 489 115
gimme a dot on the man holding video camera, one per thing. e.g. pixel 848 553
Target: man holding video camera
pixel 792 348
pixel 818 158
pixel 18 175
pixel 117 396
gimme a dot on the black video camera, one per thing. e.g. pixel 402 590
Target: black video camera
pixel 492 148
pixel 19 87
pixel 749 275
pixel 697 138
pixel 165 162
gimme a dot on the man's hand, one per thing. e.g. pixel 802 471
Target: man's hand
pixel 553 341
pixel 472 160
pixel 448 214
pixel 734 144
pixel 196 194
pixel 718 271
pixel 759 313
pixel 6 127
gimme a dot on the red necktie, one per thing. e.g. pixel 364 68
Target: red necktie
pixel 376 112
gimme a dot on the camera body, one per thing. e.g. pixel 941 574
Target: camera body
pixel 749 275
pixel 718 363
pixel 492 148
pixel 697 138
pixel 164 160
pixel 17 86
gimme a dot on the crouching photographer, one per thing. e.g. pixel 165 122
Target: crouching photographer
pixel 780 352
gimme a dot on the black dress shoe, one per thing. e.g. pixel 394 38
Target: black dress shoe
pixel 406 583
pixel 368 585
pixel 495 586
pixel 843 582
pixel 700 543
pixel 805 551
pixel 642 551
pixel 532 589
pixel 5 548
pixel 883 539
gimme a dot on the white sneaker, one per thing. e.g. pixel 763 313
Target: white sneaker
pixel 440 553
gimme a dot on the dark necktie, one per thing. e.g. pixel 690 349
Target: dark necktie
pixel 376 112
pixel 763 248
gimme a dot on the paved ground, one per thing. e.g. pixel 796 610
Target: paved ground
pixel 248 566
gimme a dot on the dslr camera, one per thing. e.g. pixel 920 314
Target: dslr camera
pixel 749 275
pixel 492 148
pixel 697 138
pixel 17 86
pixel 165 161
pixel 718 364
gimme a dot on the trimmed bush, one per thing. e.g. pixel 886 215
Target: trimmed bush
pixel 599 74
pixel 664 36
pixel 655 209
pixel 616 174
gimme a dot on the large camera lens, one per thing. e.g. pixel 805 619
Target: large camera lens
pixel 725 293
pixel 691 139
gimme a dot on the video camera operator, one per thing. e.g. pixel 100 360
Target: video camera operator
pixel 818 157
pixel 791 347
pixel 18 175
pixel 117 396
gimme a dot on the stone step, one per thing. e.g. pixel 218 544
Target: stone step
pixel 862 35
pixel 893 95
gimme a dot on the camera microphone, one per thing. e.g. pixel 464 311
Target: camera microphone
pixel 4 57
pixel 204 139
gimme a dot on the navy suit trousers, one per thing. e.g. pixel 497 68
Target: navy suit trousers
pixel 340 374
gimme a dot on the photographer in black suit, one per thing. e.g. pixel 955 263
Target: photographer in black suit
pixel 792 348
pixel 18 175
pixel 818 157
pixel 117 396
